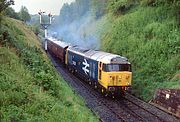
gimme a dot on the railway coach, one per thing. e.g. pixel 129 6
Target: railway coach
pixel 57 48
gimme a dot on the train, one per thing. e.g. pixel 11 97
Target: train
pixel 109 73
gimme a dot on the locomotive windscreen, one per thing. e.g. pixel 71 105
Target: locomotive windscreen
pixel 116 67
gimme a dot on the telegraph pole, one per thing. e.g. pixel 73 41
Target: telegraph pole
pixel 45 26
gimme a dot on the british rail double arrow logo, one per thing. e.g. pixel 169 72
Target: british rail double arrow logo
pixel 86 66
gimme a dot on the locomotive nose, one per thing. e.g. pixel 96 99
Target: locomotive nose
pixel 120 79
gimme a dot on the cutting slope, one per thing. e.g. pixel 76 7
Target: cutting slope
pixel 30 88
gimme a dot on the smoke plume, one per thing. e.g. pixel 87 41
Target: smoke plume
pixel 80 32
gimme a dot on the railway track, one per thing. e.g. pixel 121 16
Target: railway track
pixel 126 109
pixel 156 112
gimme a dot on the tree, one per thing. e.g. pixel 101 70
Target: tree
pixel 99 7
pixel 24 14
pixel 36 28
pixel 11 13
pixel 121 6
pixel 74 11
pixel 5 3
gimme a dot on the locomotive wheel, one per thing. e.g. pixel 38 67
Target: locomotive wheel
pixel 102 90
pixel 114 95
pixel 72 71
pixel 99 89
pixel 106 94
pixel 95 85
pixel 89 81
pixel 69 69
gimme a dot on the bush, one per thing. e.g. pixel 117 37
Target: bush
pixel 120 6
pixel 30 88
pixel 149 37
pixel 159 2
pixel 11 13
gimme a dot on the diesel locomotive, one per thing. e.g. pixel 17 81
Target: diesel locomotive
pixel 109 73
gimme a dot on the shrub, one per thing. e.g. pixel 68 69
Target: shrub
pixel 30 88
pixel 149 37
pixel 120 6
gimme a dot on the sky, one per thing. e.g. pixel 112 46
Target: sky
pixel 34 6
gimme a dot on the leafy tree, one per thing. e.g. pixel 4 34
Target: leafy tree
pixel 99 7
pixel 157 2
pixel 24 14
pixel 5 3
pixel 36 28
pixel 74 11
pixel 120 6
pixel 9 11
pixel 65 15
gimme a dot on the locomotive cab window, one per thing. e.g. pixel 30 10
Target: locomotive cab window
pixel 116 67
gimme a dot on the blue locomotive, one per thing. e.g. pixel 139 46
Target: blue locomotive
pixel 109 73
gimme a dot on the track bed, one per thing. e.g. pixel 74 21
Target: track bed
pixel 127 108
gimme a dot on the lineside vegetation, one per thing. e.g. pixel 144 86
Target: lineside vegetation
pixel 147 32
pixel 30 87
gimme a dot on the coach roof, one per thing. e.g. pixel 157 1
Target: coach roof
pixel 58 42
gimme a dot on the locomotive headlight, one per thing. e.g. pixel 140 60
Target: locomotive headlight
pixel 129 83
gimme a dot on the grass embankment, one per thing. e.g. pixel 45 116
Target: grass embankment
pixel 30 88
pixel 150 38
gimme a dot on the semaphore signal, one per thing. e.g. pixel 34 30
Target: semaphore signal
pixel 45 25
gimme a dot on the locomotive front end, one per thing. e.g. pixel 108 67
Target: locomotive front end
pixel 115 76
pixel 118 74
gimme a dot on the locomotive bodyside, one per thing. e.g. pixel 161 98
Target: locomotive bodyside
pixel 82 65
pixel 96 67
pixel 108 72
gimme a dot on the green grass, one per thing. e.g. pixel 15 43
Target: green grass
pixel 30 88
pixel 150 38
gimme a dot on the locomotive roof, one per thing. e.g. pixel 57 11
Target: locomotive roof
pixel 99 55
pixel 108 58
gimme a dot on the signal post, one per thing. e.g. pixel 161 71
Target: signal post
pixel 45 26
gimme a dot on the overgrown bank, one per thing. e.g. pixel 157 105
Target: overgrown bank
pixel 147 32
pixel 149 36
pixel 30 88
